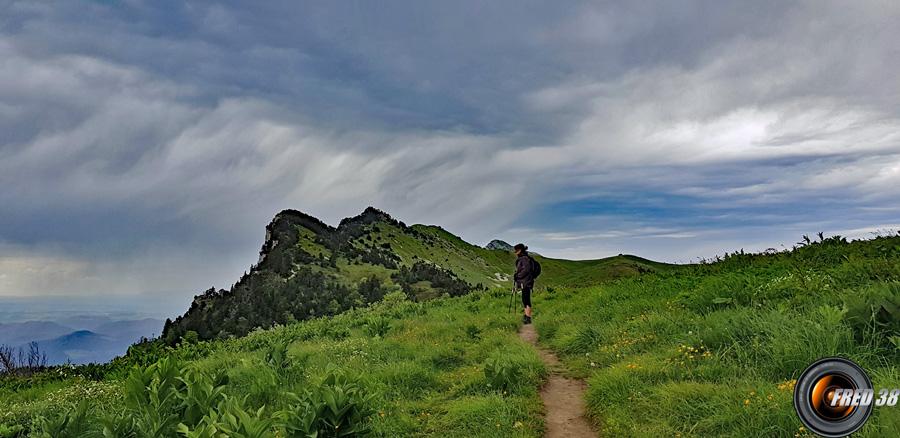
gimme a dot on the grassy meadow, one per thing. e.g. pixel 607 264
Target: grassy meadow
pixel 702 350
pixel 714 349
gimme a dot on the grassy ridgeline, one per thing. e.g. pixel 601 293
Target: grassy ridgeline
pixel 701 350
pixel 713 350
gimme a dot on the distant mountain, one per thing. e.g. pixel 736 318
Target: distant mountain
pixel 63 344
pixel 80 347
pixel 22 332
pixel 308 268
pixel 499 245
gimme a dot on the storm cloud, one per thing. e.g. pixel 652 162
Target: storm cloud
pixel 144 145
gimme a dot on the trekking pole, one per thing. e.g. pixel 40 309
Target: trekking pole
pixel 509 306
pixel 513 298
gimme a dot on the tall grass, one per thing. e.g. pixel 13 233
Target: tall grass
pixel 398 368
pixel 713 349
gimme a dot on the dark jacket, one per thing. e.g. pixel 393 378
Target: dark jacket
pixel 523 276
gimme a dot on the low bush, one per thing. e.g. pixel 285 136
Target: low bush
pixel 339 406
pixel 377 326
pixel 874 314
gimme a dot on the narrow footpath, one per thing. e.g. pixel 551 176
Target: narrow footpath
pixel 563 398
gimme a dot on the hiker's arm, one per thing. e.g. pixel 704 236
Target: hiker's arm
pixel 522 270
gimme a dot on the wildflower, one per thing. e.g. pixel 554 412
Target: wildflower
pixel 747 402
pixel 517 424
pixel 787 385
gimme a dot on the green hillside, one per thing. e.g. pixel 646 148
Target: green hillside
pixel 694 351
pixel 309 269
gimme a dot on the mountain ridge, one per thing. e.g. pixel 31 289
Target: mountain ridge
pixel 308 268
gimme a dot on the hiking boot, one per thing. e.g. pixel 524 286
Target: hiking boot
pixel 526 319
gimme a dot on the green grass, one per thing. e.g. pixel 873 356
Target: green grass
pixel 477 265
pixel 421 364
pixel 712 350
pixel 700 350
pixel 473 264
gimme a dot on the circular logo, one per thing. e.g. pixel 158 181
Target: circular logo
pixel 827 397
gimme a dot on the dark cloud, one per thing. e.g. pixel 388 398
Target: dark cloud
pixel 145 144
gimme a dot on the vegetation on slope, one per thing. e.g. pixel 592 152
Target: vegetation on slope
pixel 702 350
pixel 713 349
pixel 309 269
pixel 451 367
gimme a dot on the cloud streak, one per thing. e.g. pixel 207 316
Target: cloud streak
pixel 145 144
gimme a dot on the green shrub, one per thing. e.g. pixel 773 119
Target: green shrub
pixel 874 314
pixel 340 406
pixel 501 373
pixel 152 406
pixel 11 431
pixel 473 332
pixel 377 326
pixel 69 424
pixel 230 419
pixel 277 356
pixel 201 392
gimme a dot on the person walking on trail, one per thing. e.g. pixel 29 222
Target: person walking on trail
pixel 527 269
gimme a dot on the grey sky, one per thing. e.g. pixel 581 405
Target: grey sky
pixel 145 145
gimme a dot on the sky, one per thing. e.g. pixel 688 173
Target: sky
pixel 144 145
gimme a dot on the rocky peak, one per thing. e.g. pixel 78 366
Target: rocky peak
pixel 370 215
pixel 499 244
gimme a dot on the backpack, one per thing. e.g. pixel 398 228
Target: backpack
pixel 535 268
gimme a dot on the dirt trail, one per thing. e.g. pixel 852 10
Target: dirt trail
pixel 563 398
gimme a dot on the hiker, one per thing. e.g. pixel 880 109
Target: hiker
pixel 527 269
